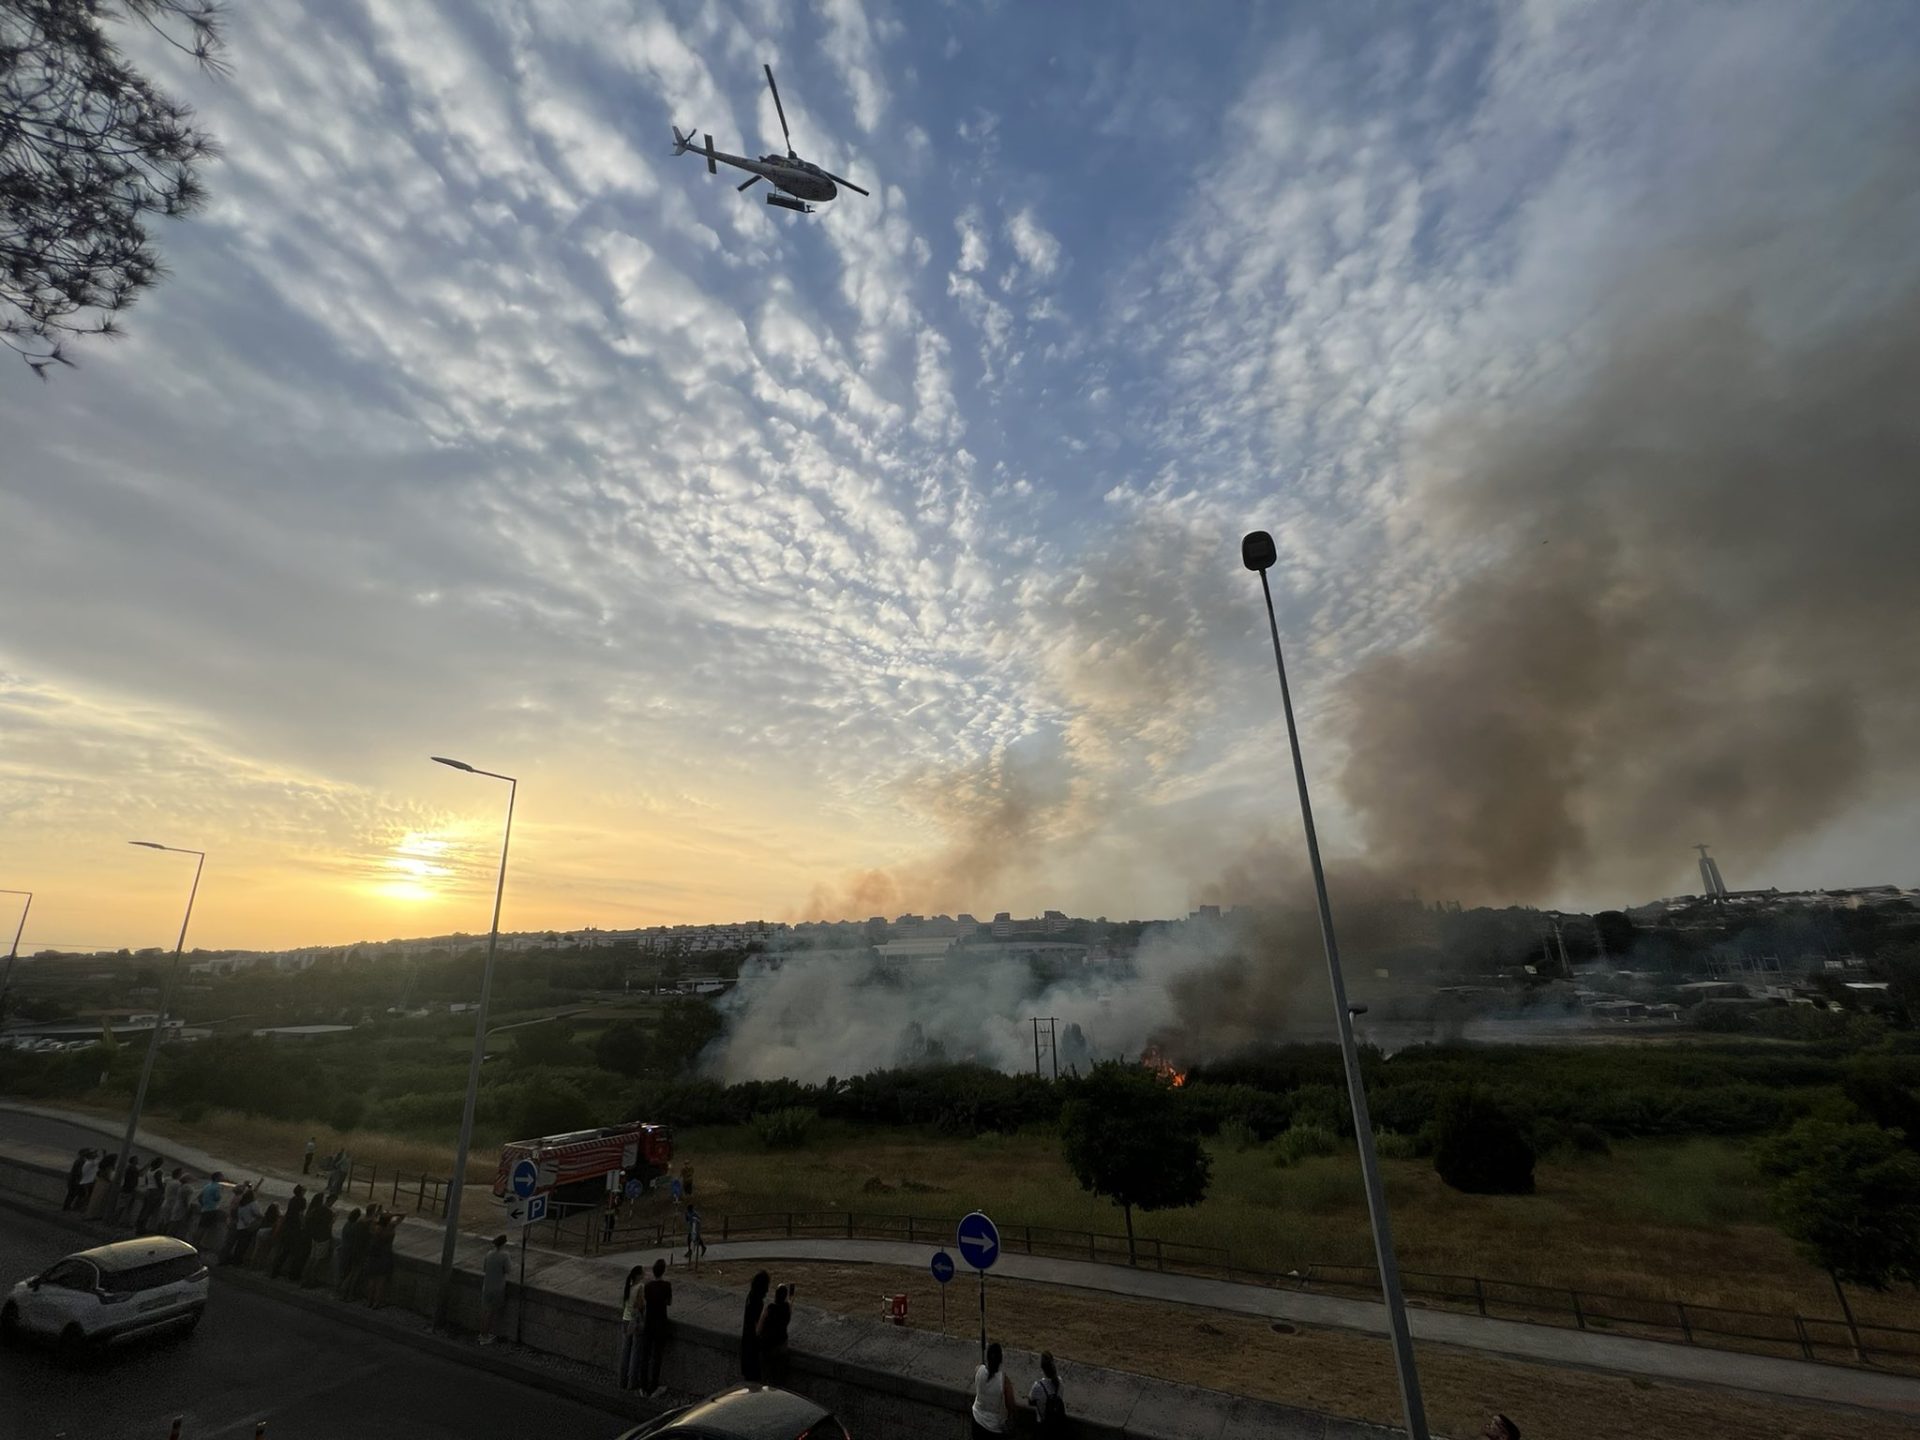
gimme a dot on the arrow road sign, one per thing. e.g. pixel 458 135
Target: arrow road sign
pixel 942 1267
pixel 525 1179
pixel 979 1241
pixel 516 1213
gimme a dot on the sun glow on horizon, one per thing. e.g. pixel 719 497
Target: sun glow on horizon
pixel 412 872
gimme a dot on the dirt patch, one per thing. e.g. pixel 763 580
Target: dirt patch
pixel 1333 1371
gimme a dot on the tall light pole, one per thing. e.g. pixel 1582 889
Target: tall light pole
pixel 6 985
pixel 166 995
pixel 1257 553
pixel 457 1185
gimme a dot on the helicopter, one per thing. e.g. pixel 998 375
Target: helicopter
pixel 794 181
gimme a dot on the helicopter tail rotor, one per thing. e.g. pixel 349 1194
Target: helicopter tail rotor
pixel 781 110
pixel 681 143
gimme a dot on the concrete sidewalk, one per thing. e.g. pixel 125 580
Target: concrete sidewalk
pixel 1545 1344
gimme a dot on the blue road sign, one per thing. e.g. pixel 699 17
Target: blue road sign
pixel 526 1178
pixel 979 1241
pixel 536 1208
pixel 942 1267
pixel 633 1190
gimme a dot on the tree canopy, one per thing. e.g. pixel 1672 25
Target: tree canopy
pixel 1480 1146
pixel 1127 1137
pixel 89 149
pixel 1849 1198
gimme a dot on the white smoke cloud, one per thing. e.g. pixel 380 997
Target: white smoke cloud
pixel 1198 990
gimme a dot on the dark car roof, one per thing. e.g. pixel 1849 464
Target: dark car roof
pixel 132 1254
pixel 746 1412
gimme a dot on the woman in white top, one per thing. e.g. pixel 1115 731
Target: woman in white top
pixel 992 1396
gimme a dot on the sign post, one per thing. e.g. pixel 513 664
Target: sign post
pixel 525 1213
pixel 942 1268
pixel 979 1243
pixel 520 1300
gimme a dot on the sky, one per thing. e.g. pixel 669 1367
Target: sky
pixel 887 558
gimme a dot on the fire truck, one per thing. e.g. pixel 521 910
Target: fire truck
pixel 574 1167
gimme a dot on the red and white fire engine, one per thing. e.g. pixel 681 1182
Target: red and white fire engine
pixel 575 1167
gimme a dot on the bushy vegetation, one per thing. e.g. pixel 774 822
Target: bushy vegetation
pixel 787 1129
pixel 1126 1135
pixel 1480 1146
pixel 1849 1198
pixel 1305 1142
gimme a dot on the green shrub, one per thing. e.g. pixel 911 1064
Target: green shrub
pixel 1392 1145
pixel 1237 1135
pixel 1304 1142
pixel 347 1112
pixel 1482 1148
pixel 1321 1107
pixel 786 1129
pixel 1585 1139
pixel 1214 1105
pixel 546 1106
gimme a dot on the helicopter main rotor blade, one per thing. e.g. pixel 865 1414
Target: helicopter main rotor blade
pixel 751 180
pixel 842 180
pixel 781 109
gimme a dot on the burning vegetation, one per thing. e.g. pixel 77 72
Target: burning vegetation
pixel 1155 1059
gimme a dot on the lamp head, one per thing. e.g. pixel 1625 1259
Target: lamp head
pixel 1257 550
pixel 456 764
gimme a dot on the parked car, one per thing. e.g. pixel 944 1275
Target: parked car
pixel 746 1412
pixel 110 1293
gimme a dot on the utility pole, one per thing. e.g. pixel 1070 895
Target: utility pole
pixel 1052 1038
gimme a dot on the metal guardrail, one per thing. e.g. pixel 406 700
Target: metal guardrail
pixel 426 1194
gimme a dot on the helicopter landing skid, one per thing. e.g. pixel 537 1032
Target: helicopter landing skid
pixel 787 202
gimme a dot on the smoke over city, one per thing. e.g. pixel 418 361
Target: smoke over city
pixel 1680 611
pixel 1198 991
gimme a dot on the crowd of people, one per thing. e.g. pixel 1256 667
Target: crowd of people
pixel 228 1222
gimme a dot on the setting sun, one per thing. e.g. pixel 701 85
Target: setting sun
pixel 413 871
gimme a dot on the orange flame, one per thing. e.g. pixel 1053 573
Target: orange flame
pixel 1155 1060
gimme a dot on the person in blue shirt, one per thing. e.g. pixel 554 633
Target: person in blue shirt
pixel 211 1196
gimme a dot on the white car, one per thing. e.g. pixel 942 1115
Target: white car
pixel 110 1293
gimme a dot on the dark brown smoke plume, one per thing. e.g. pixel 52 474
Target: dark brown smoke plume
pixel 1701 624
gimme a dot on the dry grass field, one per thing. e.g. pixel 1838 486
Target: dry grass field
pixel 1333 1371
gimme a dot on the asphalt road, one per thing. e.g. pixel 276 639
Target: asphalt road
pixel 252 1359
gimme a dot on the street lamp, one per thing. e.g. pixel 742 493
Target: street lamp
pixel 6 985
pixel 459 1181
pixel 1257 553
pixel 160 1017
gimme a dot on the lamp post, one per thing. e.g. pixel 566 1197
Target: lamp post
pixel 166 995
pixel 6 985
pixel 457 1185
pixel 1257 552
